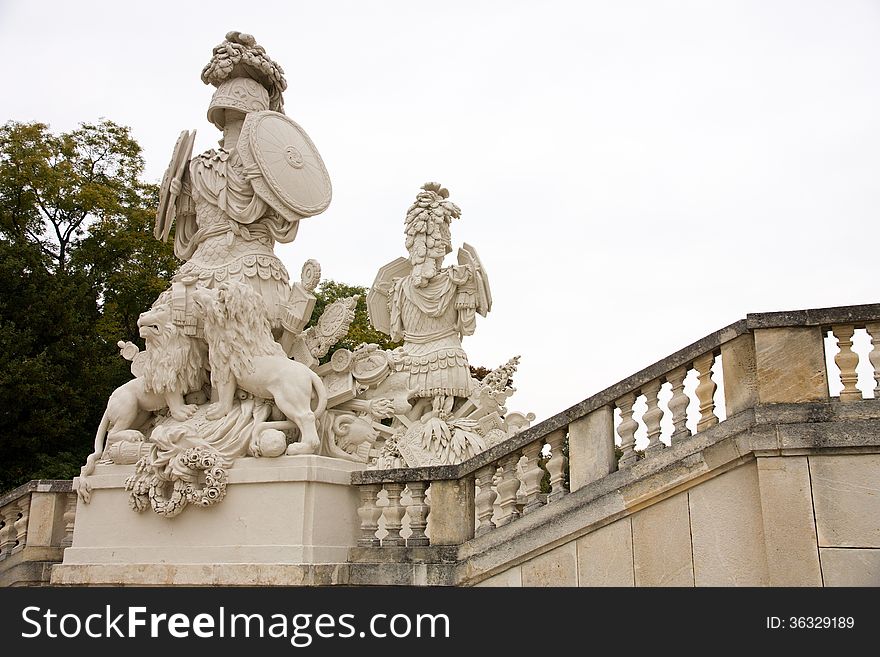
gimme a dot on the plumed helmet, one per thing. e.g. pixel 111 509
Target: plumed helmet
pixel 242 94
pixel 239 56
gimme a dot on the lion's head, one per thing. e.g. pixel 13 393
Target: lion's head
pixel 172 361
pixel 237 327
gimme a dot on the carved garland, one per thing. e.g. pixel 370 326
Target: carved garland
pixel 148 486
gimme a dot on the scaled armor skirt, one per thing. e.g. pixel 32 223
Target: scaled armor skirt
pixel 253 261
pixel 436 369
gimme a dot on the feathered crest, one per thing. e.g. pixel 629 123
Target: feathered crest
pixel 240 56
pixel 427 222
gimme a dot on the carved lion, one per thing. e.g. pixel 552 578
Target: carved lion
pixel 171 366
pixel 243 354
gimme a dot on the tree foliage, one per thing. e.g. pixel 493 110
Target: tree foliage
pixel 53 185
pixel 361 330
pixel 78 263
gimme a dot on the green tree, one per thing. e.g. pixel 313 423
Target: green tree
pixel 127 264
pixel 361 330
pixel 54 186
pixel 78 263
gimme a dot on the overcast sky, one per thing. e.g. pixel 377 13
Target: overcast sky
pixel 634 175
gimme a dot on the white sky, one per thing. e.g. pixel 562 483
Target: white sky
pixel 634 175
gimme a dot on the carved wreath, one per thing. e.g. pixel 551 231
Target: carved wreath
pixel 149 487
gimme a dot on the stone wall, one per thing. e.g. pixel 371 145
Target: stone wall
pixel 777 521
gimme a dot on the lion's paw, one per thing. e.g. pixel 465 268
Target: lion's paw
pixel 302 448
pixel 185 412
pixel 83 488
pixel 215 411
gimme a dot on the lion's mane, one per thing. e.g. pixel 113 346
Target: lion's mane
pixel 238 331
pixel 172 361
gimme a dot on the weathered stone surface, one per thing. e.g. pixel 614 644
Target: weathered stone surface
pixel 645 488
pixel 661 537
pixel 605 556
pixel 727 530
pixel 568 517
pixel 789 525
pixel 815 316
pixel 511 577
pixel 846 494
pixel 25 573
pixel 721 454
pixel 603 500
pixel 43 519
pixel 558 567
pixel 39 485
pixel 740 373
pixel 591 447
pixel 791 365
pixel 276 513
pixel 200 574
pixel 850 567
pixel 452 515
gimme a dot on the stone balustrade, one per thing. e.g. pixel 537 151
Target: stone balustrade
pixel 36 524
pixel 765 359
pixel 770 390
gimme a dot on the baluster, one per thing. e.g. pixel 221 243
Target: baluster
pixel 21 525
pixel 369 513
pixel 485 500
pixel 556 465
pixel 627 430
pixel 7 533
pixel 706 391
pixel 507 489
pixel 394 516
pixel 418 514
pixel 873 329
pixel 69 518
pixel 847 360
pixel 532 475
pixel 678 404
pixel 653 416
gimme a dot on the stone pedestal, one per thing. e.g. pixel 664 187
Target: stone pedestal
pixel 282 518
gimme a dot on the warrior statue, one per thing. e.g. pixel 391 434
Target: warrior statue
pixel 433 306
pixel 233 203
pixel 230 310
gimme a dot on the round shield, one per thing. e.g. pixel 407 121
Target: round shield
pixel 167 210
pixel 287 171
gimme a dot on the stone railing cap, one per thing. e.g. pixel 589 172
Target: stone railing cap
pixel 815 317
pixel 37 486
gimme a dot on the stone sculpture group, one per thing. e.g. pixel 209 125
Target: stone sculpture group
pixel 230 370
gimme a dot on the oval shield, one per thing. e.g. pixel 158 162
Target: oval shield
pixel 177 168
pixel 284 166
pixel 377 297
